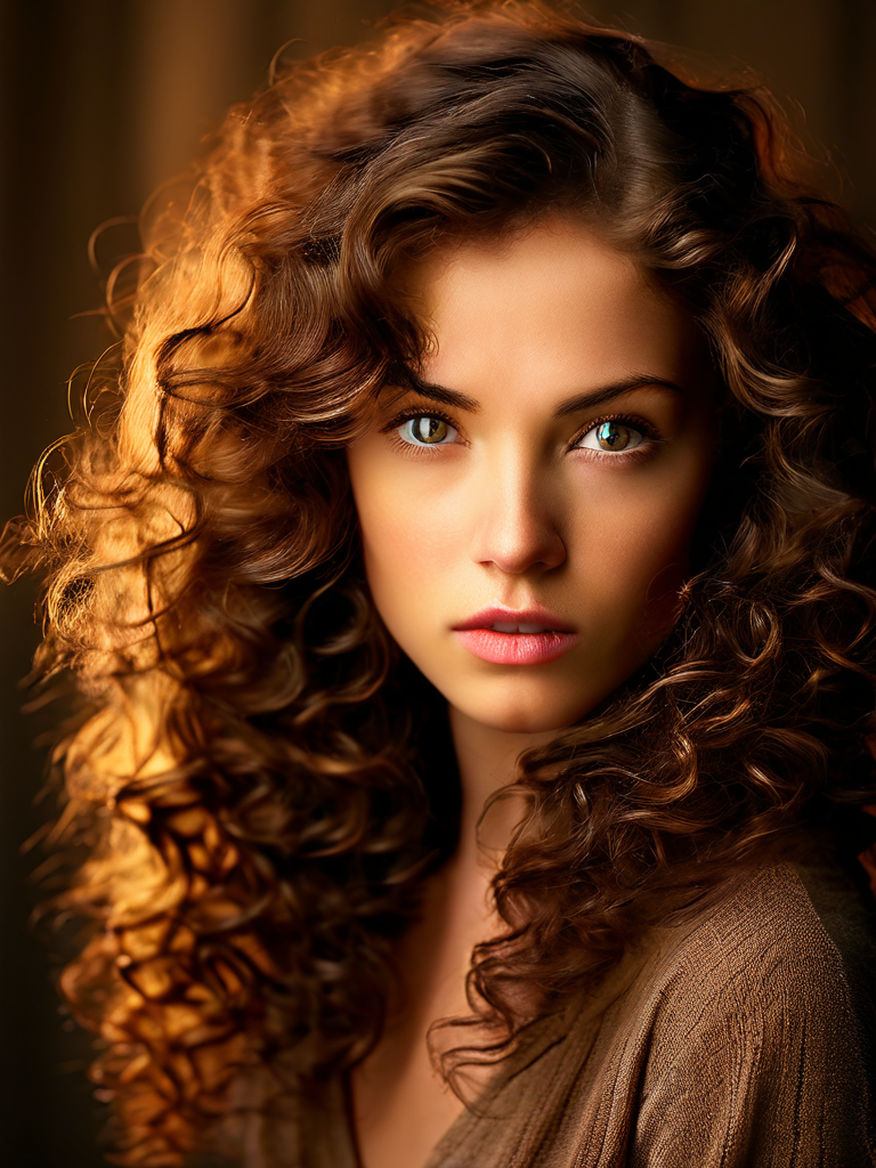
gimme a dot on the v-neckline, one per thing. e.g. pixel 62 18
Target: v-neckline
pixel 542 1033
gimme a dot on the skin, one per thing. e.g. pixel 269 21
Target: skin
pixel 518 504
pixel 515 506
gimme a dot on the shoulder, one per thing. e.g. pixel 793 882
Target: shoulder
pixel 763 1015
pixel 785 950
pixel 782 935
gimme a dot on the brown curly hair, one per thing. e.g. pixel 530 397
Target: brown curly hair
pixel 246 765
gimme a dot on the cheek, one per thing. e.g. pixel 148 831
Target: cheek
pixel 642 545
pixel 404 540
pixel 398 534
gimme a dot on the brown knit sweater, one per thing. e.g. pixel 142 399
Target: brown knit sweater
pixel 743 1038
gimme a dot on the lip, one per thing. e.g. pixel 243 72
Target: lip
pixel 525 616
pixel 511 648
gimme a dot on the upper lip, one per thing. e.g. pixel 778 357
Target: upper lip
pixel 525 616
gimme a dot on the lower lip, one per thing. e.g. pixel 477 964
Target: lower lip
pixel 515 648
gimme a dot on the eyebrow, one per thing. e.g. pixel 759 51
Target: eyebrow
pixel 407 379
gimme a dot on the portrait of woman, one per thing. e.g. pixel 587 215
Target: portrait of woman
pixel 463 566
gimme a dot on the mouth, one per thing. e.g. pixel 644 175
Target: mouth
pixel 526 638
pixel 524 627
pixel 524 622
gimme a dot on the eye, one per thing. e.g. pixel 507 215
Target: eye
pixel 614 436
pixel 426 430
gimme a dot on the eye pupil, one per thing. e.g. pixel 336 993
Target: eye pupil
pixel 428 429
pixel 611 435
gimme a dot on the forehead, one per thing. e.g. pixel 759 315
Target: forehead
pixel 553 307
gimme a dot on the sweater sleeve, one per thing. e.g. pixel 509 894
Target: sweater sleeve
pixel 756 1056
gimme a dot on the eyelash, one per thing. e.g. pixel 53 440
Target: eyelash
pixel 647 429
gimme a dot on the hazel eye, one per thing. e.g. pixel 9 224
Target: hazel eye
pixel 612 437
pixel 426 430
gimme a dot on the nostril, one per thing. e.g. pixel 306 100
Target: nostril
pixel 521 549
pixel 518 516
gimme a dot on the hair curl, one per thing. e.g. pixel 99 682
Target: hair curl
pixel 247 766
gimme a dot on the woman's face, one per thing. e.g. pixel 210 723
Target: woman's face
pixel 527 502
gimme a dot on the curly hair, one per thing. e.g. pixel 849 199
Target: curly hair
pixel 251 768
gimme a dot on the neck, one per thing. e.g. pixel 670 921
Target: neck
pixel 487 760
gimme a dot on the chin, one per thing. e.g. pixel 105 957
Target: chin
pixel 522 718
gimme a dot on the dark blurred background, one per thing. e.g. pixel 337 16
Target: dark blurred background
pixel 104 99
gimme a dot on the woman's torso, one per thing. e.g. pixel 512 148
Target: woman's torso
pixel 745 1036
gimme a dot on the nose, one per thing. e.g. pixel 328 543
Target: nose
pixel 517 522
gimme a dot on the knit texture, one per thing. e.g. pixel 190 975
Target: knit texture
pixel 743 1038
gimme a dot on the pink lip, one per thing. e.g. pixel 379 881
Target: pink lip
pixel 515 648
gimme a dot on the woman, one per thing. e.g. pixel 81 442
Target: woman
pixel 466 574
